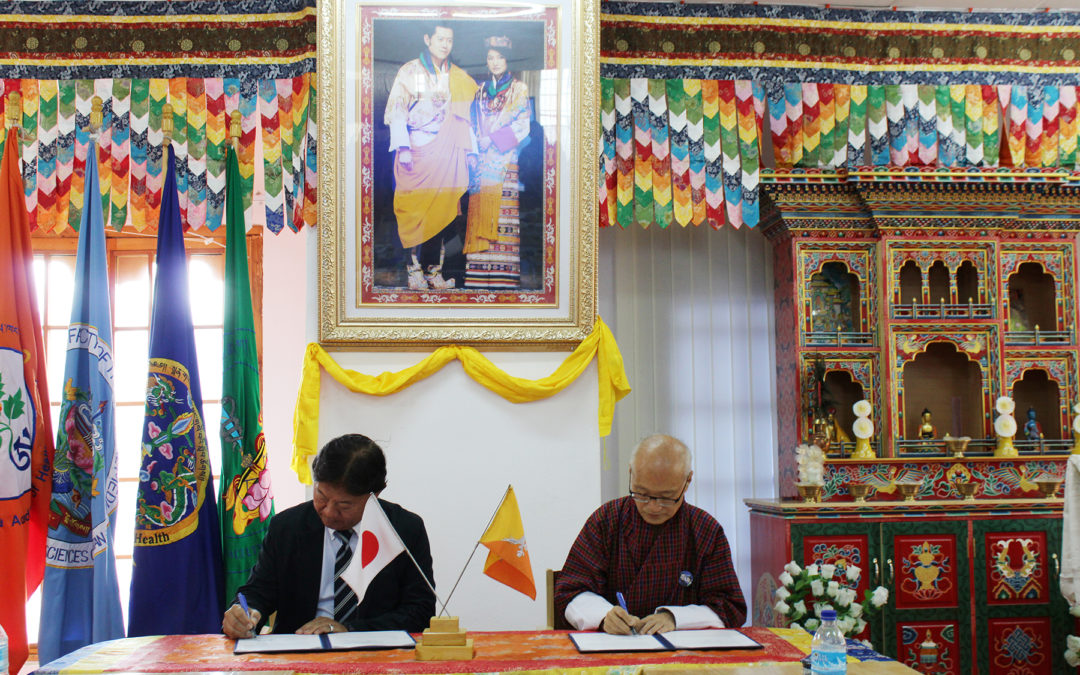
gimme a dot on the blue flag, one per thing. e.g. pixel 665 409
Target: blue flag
pixel 80 599
pixel 176 583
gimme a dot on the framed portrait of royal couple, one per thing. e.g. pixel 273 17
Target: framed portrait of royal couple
pixel 458 148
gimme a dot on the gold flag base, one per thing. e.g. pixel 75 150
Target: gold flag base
pixel 444 641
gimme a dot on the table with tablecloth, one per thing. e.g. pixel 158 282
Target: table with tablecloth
pixel 549 652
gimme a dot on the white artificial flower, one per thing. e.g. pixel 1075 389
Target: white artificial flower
pixel 1072 658
pixel 1076 424
pixel 1075 610
pixel 856 610
pixel 862 408
pixel 782 593
pixel 817 588
pixel 792 568
pixel 1005 426
pixel 832 589
pixel 879 597
pixel 860 625
pixel 1073 643
pixel 782 607
pixel 845 596
pixel 863 428
pixel 1004 405
pixel 812 624
pixel 845 624
pixel 1076 407
pixel 786 579
pixel 852 572
pixel 800 608
pixel 827 571
pixel 812 570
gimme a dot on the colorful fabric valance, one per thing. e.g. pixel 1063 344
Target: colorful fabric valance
pixel 788 43
pixel 249 40
pixel 56 138
pixel 687 130
pixel 205 58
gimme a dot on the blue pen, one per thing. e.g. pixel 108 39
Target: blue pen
pixel 244 606
pixel 622 603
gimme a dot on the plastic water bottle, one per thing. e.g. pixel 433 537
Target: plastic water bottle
pixel 828 650
pixel 3 652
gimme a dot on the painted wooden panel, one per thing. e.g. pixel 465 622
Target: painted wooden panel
pixel 930 647
pixel 926 571
pixel 1016 571
pixel 1020 645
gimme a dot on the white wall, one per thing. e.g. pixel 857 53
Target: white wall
pixel 285 335
pixel 452 448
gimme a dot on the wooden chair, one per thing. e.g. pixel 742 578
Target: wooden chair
pixel 554 622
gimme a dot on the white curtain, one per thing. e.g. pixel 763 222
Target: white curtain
pixel 692 310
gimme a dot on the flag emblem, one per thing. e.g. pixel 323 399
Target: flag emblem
pixel 175 466
pixel 16 424
pixel 74 471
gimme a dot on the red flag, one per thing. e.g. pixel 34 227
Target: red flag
pixel 26 440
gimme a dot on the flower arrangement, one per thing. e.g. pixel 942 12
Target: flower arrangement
pixel 1072 643
pixel 811 461
pixel 1005 427
pixel 827 587
pixel 863 429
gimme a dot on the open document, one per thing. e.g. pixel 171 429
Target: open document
pixel 676 639
pixel 375 639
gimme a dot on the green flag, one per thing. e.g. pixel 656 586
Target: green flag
pixel 246 499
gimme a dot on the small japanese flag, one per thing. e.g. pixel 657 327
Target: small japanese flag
pixel 379 543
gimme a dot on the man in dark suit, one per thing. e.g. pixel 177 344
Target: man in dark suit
pixel 295 574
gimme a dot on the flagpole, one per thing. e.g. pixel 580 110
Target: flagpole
pixel 476 546
pixel 406 549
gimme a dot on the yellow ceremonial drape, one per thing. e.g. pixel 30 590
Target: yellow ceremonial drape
pixel 600 343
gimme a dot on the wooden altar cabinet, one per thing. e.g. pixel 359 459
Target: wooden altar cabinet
pixel 928 291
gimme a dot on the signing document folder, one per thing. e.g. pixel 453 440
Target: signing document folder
pixel 290 642
pixel 676 639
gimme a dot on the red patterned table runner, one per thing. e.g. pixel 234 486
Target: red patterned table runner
pixel 495 652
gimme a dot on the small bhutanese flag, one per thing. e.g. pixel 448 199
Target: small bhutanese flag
pixel 508 559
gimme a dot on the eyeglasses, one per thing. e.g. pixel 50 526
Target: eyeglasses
pixel 666 502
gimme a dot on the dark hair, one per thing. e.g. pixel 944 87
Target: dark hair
pixel 353 461
pixel 504 52
pixel 430 26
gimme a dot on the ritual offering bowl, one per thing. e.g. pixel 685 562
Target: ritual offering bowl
pixel 810 492
pixel 859 491
pixel 908 490
pixel 1048 486
pixel 968 490
pixel 956 446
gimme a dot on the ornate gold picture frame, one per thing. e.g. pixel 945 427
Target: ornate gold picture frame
pixel 457 172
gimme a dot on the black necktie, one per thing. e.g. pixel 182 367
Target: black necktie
pixel 344 597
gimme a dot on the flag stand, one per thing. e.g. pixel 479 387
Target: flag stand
pixel 444 641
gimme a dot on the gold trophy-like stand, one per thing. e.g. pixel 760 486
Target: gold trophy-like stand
pixel 444 641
